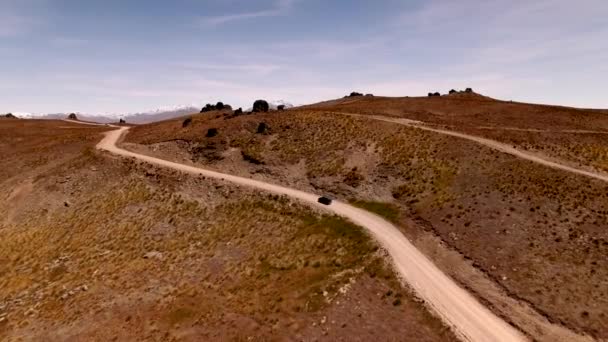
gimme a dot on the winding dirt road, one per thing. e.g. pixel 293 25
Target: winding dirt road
pixel 493 144
pixel 467 317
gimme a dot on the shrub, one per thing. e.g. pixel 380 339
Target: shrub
pixel 72 116
pixel 468 90
pixel 355 94
pixel 186 122
pixel 10 116
pixel 211 132
pixel 453 91
pixel 238 111
pixel 219 106
pixel 281 107
pixel 260 106
pixel 122 121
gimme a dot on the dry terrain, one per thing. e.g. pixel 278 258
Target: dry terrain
pixel 98 247
pixel 535 233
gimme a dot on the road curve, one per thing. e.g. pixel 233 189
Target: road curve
pixel 468 318
pixel 493 144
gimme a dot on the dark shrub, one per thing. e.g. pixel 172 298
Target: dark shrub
pixel 122 121
pixel 211 132
pixel 260 106
pixel 281 107
pixel 238 111
pixel 468 90
pixel 262 128
pixel 10 116
pixel 453 91
pixel 430 94
pixel 437 94
pixel 355 94
pixel 219 106
pixel 72 116
pixel 186 122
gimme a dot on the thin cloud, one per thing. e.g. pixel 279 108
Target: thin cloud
pixel 280 8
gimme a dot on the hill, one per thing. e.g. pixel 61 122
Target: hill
pixel 522 236
pixel 98 247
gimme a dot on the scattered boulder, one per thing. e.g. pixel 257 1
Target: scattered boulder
pixel 281 107
pixel 72 116
pixel 211 132
pixel 453 91
pixel 468 90
pixel 260 106
pixel 208 107
pixel 186 122
pixel 262 128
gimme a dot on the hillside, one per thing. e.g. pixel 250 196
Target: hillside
pixel 528 239
pixel 98 247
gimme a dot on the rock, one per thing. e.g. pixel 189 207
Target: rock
pixel 72 116
pixel 369 95
pixel 453 91
pixel 262 128
pixel 355 94
pixel 219 106
pixel 10 116
pixel 208 107
pixel 437 94
pixel 211 132
pixel 281 107
pixel 468 90
pixel 154 255
pixel 186 122
pixel 122 121
pixel 260 106
pixel 238 112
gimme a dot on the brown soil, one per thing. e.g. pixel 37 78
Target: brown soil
pixel 537 232
pixel 98 247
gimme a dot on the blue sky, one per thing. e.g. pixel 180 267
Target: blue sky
pixel 130 55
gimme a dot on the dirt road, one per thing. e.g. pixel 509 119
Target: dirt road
pixel 489 143
pixel 468 318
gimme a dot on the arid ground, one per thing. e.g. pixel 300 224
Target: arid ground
pixel 97 247
pixel 527 239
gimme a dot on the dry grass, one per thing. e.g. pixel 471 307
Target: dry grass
pixel 538 232
pixel 138 252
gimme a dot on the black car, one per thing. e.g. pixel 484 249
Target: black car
pixel 325 200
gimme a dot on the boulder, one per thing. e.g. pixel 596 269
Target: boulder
pixel 262 128
pixel 72 116
pixel 211 132
pixel 219 106
pixel 468 90
pixel 355 94
pixel 239 111
pixel 281 107
pixel 10 116
pixel 437 94
pixel 122 121
pixel 260 106
pixel 453 91
pixel 186 122
pixel 208 107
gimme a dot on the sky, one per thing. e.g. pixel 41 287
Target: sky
pixel 122 56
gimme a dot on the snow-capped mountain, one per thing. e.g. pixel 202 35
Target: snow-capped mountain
pixel 158 114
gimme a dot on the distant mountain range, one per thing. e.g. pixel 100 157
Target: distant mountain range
pixel 159 114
